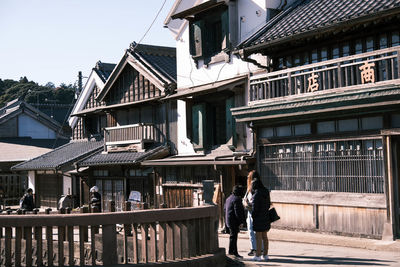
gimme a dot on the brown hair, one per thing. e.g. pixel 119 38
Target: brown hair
pixel 249 180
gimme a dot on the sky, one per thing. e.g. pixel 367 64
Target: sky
pixel 51 40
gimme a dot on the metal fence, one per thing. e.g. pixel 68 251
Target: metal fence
pixel 340 166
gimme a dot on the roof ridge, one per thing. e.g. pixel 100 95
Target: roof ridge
pixel 152 49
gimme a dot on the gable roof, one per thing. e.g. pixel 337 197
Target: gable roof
pixel 306 17
pixel 97 77
pixel 17 107
pixel 61 156
pixel 156 63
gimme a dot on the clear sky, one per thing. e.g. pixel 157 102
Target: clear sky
pixel 51 40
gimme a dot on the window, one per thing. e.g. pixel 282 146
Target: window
pixel 302 129
pixel 325 127
pixel 372 123
pixel 209 33
pixel 348 125
pixel 212 123
pixel 100 173
pixel 354 166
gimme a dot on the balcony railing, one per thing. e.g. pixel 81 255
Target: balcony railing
pixel 131 134
pixel 371 67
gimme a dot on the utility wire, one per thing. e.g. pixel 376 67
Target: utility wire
pixel 151 25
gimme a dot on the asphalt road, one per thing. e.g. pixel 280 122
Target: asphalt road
pixel 299 254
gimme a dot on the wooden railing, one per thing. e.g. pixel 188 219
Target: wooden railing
pixel 375 66
pixel 160 235
pixel 134 133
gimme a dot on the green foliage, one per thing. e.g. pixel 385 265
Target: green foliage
pixel 31 92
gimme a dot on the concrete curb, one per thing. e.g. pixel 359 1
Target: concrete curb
pixel 329 240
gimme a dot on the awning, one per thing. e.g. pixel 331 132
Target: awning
pixel 198 9
pixel 209 87
pixel 123 157
pixel 199 160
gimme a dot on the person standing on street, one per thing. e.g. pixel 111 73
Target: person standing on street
pixel 234 217
pixel 247 203
pixel 261 224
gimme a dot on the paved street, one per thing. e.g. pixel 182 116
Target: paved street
pixel 299 254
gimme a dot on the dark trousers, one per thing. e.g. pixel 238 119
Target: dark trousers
pixel 233 236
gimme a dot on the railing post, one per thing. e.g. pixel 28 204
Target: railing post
pixel 340 78
pixel 398 64
pixel 289 76
pixel 109 244
pixel 85 228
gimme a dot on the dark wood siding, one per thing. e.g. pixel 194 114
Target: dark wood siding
pixel 49 189
pixel 131 86
pixel 178 196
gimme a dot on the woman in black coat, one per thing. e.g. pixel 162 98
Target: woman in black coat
pixel 261 224
pixel 234 217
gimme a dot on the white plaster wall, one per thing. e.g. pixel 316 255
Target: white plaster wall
pixel 185 147
pixel 28 126
pixel 252 16
pixel 189 75
pixel 31 180
pixel 67 185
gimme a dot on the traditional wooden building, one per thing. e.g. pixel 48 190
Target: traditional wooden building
pixel 25 133
pixel 325 113
pixel 212 80
pixel 54 174
pixel 135 122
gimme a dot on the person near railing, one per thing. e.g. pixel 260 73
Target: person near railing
pixel 26 202
pixel 234 217
pixel 261 225
pixel 95 200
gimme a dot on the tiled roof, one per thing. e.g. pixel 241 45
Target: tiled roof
pixel 308 15
pixel 162 58
pixel 60 156
pixel 104 70
pixel 125 157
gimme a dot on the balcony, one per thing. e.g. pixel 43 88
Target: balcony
pixel 132 134
pixel 371 67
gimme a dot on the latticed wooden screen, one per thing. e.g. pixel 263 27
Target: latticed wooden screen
pixel 337 166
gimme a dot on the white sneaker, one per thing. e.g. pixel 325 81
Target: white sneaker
pixel 265 257
pixel 255 258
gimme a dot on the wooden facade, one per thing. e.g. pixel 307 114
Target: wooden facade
pixel 131 86
pixel 130 115
pixel 320 115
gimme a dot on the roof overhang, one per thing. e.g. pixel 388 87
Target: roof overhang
pixel 190 12
pixel 228 160
pixel 209 87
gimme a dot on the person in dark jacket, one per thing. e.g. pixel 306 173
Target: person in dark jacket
pixel 234 217
pixel 261 225
pixel 26 202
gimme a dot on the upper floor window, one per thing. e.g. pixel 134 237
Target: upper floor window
pixel 209 33
pixel 337 50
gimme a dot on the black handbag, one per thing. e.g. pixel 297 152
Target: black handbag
pixel 272 215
